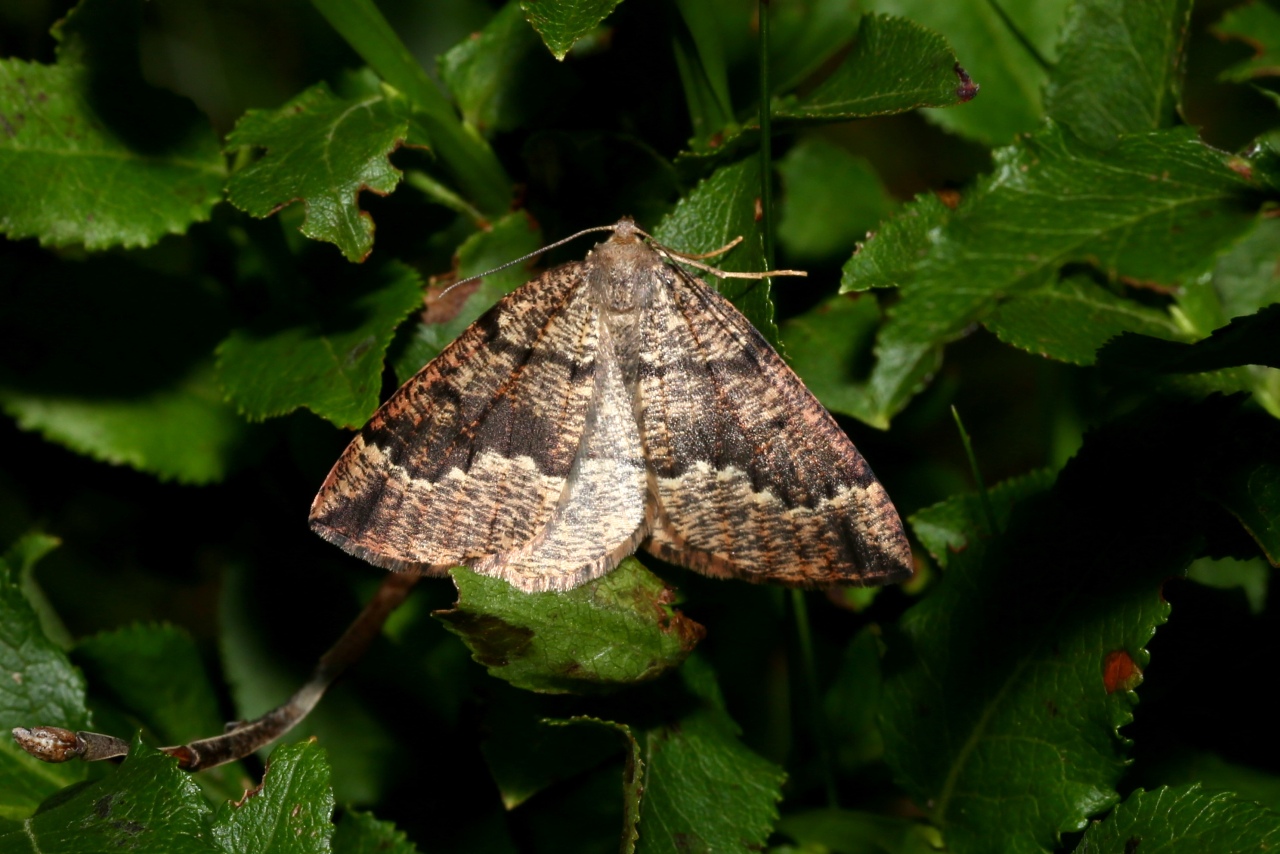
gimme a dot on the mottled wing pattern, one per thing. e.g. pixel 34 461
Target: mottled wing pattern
pixel 750 477
pixel 471 459
pixel 600 517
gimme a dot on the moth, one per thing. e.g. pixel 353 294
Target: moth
pixel 611 404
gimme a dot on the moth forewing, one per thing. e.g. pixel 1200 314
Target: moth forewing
pixel 608 404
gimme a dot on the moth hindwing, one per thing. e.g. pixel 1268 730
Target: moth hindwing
pixel 611 404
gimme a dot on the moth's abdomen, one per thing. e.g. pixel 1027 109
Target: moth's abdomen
pixel 604 404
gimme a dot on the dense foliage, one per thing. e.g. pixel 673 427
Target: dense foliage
pixel 1082 262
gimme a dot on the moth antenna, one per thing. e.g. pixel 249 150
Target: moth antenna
pixel 693 260
pixel 722 274
pixel 534 254
pixel 713 253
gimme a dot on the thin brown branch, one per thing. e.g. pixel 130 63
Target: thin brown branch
pixel 55 744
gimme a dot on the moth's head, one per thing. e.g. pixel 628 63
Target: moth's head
pixel 625 231
pixel 622 269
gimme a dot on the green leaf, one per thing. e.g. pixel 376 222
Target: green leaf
pixel 614 631
pixel 1149 210
pixel 252 635
pixel 154 672
pixel 76 376
pixel 1243 341
pixel 1244 280
pixel 1070 320
pixel 895 65
pixel 289 813
pixel 1185 820
pixel 699 48
pixel 370 35
pixel 563 22
pixel 853 832
pixel 1212 772
pixel 500 77
pixel 509 238
pixel 361 833
pixel 325 350
pixel 890 256
pixel 25 552
pixel 355 85
pixel 1246 277
pixel 184 432
pixel 1040 699
pixel 93 155
pixel 1249 576
pixel 1119 69
pixel 463 154
pixel 829 347
pixel 805 34
pixel 1006 46
pixel 22 558
pixel 323 151
pixel 147 806
pixel 703 789
pixel 153 676
pixel 901 243
pixel 1251 492
pixel 831 199
pixel 632 776
pixel 951 526
pixel 527 752
pixel 527 759
pixel 1263 162
pixel 1257 24
pixel 1028 651
pixel 718 210
pixel 852 705
pixel 39 688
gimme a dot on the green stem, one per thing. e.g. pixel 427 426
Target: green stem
pixel 766 138
pixel 1019 35
pixel 704 71
pixel 983 497
pixel 817 720
pixel 466 156
pixel 799 606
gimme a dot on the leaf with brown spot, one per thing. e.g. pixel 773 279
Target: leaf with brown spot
pixel 615 631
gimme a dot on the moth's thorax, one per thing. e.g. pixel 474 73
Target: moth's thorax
pixel 623 272
pixel 608 404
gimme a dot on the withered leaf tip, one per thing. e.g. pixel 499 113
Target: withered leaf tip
pixel 611 404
